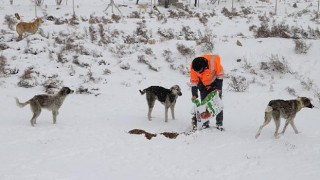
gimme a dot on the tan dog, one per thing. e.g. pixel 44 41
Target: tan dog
pixel 50 102
pixel 143 7
pixel 31 27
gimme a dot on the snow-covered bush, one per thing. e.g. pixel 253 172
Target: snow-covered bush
pixel 238 84
pixel 11 21
pixel 301 46
pixel 275 65
pixel 3 62
pixel 184 50
pixel 29 78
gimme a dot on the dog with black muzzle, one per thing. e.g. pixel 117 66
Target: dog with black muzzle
pixel 46 101
pixel 286 109
pixel 167 97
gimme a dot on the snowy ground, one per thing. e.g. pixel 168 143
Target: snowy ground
pixel 90 139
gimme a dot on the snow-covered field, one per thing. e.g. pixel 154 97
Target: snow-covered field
pixel 106 62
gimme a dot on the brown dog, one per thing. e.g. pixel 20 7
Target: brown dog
pixel 30 27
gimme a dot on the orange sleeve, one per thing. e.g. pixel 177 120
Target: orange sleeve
pixel 218 68
pixel 194 79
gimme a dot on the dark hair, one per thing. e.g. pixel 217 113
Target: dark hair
pixel 199 63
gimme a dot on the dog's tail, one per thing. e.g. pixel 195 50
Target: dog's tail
pixel 19 104
pixel 142 92
pixel 268 109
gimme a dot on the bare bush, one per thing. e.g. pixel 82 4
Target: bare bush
pixel 142 34
pixel 277 30
pixel 229 14
pixel 238 84
pixel 3 46
pixel 11 21
pixel 206 41
pixel 307 84
pixel 167 34
pixel 52 84
pixel 134 14
pixel 125 66
pixel 204 18
pixel 188 34
pixel 116 18
pixel 275 65
pixel 181 68
pixel 301 46
pixel 83 90
pixel 3 63
pixel 184 50
pixel 143 59
pixel 120 50
pixel 167 55
pixel 291 91
pixel 178 14
pixel 93 33
pixel 28 78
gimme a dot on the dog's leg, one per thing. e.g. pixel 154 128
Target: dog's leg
pixel 285 125
pixel 172 111
pixel 294 127
pixel 277 122
pixel 151 100
pixel 267 119
pixel 36 112
pixel 54 115
pixel 166 113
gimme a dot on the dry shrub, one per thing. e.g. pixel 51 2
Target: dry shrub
pixel 142 59
pixel 11 21
pixel 184 50
pixel 188 34
pixel 307 84
pixel 166 34
pixel 3 62
pixel 275 65
pixel 83 90
pixel 116 18
pixel 206 41
pixel 93 33
pixel 177 14
pixel 52 84
pixel 167 54
pixel 134 14
pixel 28 78
pixel 238 84
pixel 229 14
pixel 3 46
pixel 291 91
pixel 301 46
pixel 141 32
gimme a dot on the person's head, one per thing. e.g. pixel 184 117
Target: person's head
pixel 199 64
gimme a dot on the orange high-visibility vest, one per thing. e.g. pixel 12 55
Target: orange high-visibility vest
pixel 214 70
